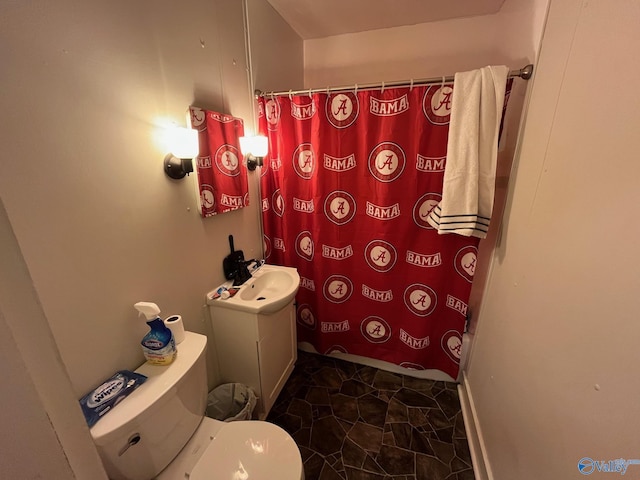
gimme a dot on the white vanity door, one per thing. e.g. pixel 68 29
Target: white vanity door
pixel 277 353
pixel 257 350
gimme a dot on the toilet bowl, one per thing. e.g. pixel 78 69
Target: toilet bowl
pixel 160 431
pixel 237 450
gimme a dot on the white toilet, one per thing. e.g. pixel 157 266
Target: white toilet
pixel 160 431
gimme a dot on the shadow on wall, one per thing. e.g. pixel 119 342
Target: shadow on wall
pixel 493 244
pixel 398 70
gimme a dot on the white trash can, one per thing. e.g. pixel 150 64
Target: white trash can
pixel 231 401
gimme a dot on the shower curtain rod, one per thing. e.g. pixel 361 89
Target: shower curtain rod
pixel 524 73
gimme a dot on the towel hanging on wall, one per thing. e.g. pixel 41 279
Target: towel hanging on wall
pixel 222 173
pixel 472 146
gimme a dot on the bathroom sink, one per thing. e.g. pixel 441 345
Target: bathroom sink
pixel 270 289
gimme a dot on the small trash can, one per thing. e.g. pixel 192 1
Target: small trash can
pixel 230 402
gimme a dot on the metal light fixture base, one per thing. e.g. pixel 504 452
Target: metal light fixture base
pixel 177 168
pixel 253 162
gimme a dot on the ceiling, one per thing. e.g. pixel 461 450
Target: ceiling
pixel 324 18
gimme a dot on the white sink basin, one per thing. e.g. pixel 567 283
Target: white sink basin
pixel 270 289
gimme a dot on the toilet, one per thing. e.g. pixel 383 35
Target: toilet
pixel 160 431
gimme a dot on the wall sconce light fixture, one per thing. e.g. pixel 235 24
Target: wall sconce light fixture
pixel 255 149
pixel 183 145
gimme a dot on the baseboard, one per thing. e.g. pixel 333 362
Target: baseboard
pixel 481 466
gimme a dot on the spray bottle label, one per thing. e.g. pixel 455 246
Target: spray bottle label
pixel 159 346
pixel 160 356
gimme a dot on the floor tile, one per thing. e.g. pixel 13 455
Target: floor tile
pixel 367 437
pixel 373 410
pixel 355 422
pixel 396 461
pixel 326 436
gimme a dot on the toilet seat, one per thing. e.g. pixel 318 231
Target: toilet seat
pixel 250 450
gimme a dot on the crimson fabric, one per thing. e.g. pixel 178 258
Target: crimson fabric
pixel 222 176
pixel 346 188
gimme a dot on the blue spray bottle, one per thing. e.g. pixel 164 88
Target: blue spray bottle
pixel 158 345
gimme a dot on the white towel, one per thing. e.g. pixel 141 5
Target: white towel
pixel 472 149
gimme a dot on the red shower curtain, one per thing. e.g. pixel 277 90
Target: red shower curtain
pixel 346 188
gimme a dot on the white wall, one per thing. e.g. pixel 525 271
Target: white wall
pixel 276 50
pixel 44 432
pixel 425 50
pixel 553 374
pixel 97 222
pixel 401 53
pixel 25 434
pixel 520 23
pixel 100 225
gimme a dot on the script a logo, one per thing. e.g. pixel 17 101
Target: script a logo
pixel 387 161
pixel 380 255
pixel 272 112
pixel 207 200
pixel 465 262
pixel 337 289
pixel 197 118
pixel 306 317
pixel 342 109
pixel 339 207
pixel 304 161
pixel 423 207
pixel 436 104
pixel 227 160
pixel 375 329
pixel 452 345
pixel 277 200
pixel 420 299
pixel 304 245
pixel 266 245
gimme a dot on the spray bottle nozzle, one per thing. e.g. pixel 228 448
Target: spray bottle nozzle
pixel 148 309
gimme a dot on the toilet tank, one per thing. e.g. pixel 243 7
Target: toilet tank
pixel 145 432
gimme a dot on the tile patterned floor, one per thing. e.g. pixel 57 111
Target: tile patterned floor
pixel 354 422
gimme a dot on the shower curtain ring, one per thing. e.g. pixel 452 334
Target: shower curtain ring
pixel 411 86
pixel 382 89
pixel 290 94
pixel 310 96
pixel 356 89
pixel 328 90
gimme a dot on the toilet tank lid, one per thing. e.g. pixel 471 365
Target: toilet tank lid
pixel 160 379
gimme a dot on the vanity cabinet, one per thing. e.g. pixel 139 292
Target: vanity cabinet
pixel 258 350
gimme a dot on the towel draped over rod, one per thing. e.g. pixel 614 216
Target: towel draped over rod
pixel 524 73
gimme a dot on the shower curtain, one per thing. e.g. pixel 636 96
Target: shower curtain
pixel 347 186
